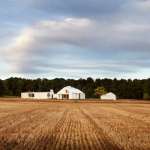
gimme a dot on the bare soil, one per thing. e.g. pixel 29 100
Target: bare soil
pixel 72 125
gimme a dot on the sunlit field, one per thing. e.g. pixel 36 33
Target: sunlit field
pixel 73 125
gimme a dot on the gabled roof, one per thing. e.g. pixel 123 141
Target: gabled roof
pixel 69 89
pixel 109 94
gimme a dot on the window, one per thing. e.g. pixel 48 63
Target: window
pixel 65 96
pixel 31 94
pixel 48 95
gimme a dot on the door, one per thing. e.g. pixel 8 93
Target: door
pixel 65 96
pixel 79 96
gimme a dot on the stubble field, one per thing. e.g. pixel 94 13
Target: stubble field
pixel 74 125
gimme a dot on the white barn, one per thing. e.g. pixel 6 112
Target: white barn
pixel 109 96
pixel 69 92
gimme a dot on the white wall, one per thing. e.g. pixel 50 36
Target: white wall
pixel 73 96
pixel 24 95
pixel 41 95
pixel 59 96
pixel 44 95
pixel 37 95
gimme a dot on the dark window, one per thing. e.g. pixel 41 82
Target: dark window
pixel 48 95
pixel 31 94
pixel 65 96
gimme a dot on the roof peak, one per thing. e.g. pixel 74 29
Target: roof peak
pixel 71 89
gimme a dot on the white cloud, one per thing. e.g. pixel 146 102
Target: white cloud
pixel 74 44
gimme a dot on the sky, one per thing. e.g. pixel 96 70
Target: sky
pixel 75 39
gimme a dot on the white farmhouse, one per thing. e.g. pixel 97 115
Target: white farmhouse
pixel 38 95
pixel 69 92
pixel 109 96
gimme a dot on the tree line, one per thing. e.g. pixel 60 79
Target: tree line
pixel 124 89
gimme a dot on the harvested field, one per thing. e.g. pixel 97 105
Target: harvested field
pixel 28 125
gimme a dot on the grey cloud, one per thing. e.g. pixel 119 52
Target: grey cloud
pixel 68 41
pixel 81 8
pixel 74 8
pixel 87 42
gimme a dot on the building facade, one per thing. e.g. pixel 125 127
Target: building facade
pixel 38 95
pixel 67 92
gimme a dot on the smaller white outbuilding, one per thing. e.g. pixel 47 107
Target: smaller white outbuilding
pixel 109 96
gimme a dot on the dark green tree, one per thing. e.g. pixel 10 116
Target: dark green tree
pixel 2 88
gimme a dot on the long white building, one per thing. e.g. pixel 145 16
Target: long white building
pixel 67 92
pixel 38 95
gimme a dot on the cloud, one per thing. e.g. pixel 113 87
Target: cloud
pixel 75 38
pixel 79 44
pixel 78 8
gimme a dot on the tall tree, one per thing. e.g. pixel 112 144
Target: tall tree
pixel 146 89
pixel 2 88
pixel 124 89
